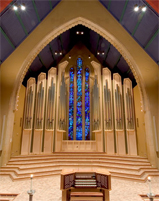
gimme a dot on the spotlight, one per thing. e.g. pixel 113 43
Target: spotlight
pixel 55 53
pixel 98 53
pixel 60 53
pixel 89 57
pixel 69 57
pixel 103 53
pixel 143 8
pixel 136 8
pixel 77 32
pixel 82 32
pixel 22 6
pixel 149 178
pixel 15 7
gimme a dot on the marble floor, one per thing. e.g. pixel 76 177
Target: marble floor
pixel 48 189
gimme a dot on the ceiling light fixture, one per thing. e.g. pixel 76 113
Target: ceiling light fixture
pixel 136 8
pixel 89 57
pixel 79 32
pixel 69 57
pixel 17 6
pixel 101 52
pixel 22 6
pixel 60 53
pixel 143 8
pixel 55 53
pixel 140 8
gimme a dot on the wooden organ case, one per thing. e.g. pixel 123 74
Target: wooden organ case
pixel 118 115
pixel 80 184
pixel 39 114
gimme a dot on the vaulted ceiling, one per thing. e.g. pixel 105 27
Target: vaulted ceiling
pixel 142 26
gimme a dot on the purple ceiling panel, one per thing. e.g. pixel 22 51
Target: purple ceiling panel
pixel 105 3
pixel 112 57
pixel 5 47
pixel 65 37
pixel 36 65
pixel 46 56
pixel 54 2
pixel 130 17
pixel 29 17
pixel 153 49
pixel 116 8
pixel 12 27
pixel 122 65
pixel 93 41
pixel 131 76
pixel 147 28
pixel 55 46
pixel 43 8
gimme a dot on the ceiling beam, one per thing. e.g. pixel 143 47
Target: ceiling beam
pixel 20 20
pixel 97 44
pixel 152 38
pixel 109 4
pixel 106 55
pixel 61 43
pixel 123 12
pixel 40 59
pixel 7 38
pixel 117 61
pixel 137 24
pixel 51 51
pixel 50 3
pixel 36 11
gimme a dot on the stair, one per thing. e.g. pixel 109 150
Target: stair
pixel 124 167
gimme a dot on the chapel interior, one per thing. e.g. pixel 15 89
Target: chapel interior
pixel 79 100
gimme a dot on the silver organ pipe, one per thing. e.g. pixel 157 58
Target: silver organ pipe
pixel 95 104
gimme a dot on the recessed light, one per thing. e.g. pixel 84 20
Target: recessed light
pixel 89 57
pixel 82 32
pixel 60 53
pixel 55 53
pixel 98 53
pixel 69 57
pixel 143 8
pixel 136 8
pixel 77 32
pixel 22 6
pixel 15 7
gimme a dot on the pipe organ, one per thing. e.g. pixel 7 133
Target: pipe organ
pixel 108 112
pixel 39 114
pixel 62 105
pixel 95 106
pixel 28 116
pixel 112 114
pixel 119 118
pixel 129 117
pixel 50 111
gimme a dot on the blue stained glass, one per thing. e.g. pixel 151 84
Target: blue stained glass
pixel 71 105
pixel 87 106
pixel 79 100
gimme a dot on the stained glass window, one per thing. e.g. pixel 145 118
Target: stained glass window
pixel 71 105
pixel 79 100
pixel 87 106
pixel 82 120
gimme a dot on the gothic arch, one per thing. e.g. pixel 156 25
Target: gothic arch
pixel 59 30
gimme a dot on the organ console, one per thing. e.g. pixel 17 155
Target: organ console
pixel 85 184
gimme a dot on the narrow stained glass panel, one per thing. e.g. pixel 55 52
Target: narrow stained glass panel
pixel 71 105
pixel 87 106
pixel 79 100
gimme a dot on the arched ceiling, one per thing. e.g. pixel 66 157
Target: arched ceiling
pixel 16 26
